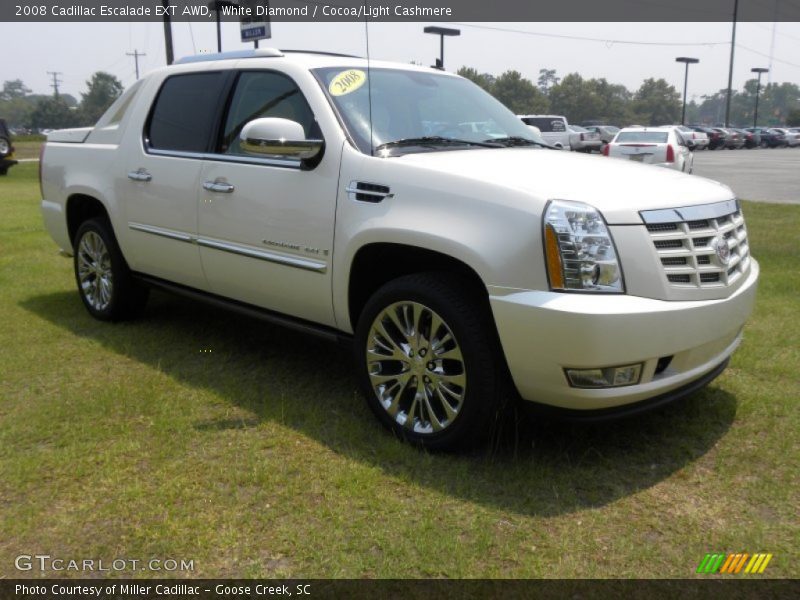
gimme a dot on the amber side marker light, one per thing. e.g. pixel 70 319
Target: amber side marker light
pixel 554 266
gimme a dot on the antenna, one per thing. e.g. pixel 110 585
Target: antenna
pixel 369 84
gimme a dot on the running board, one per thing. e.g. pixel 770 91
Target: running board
pixel 248 310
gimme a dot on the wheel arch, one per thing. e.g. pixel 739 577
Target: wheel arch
pixel 377 263
pixel 80 208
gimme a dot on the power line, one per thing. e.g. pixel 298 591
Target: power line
pixel 56 81
pixel 785 62
pixel 136 54
pixel 606 41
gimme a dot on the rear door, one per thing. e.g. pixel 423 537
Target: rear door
pixel 163 169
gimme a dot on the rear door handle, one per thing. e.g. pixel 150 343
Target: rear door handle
pixel 140 175
pixel 219 187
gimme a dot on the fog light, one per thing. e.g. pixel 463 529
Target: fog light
pixel 605 377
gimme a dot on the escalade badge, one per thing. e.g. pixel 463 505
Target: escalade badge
pixel 720 246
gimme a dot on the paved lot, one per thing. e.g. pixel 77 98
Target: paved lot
pixel 765 175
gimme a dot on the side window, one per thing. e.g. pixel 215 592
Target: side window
pixel 183 115
pixel 260 94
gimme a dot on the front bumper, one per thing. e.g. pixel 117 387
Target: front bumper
pixel 542 333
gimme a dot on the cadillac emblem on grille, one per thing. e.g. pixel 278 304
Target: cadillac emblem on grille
pixel 723 251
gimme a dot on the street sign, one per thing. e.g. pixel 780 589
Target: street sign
pixel 255 28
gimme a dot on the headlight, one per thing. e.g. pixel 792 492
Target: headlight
pixel 579 249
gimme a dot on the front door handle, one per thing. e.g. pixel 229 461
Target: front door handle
pixel 218 186
pixel 140 175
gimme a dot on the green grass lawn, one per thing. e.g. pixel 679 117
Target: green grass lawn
pixel 196 434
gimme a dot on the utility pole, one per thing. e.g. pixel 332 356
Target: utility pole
pixel 730 68
pixel 56 81
pixel 168 31
pixel 136 54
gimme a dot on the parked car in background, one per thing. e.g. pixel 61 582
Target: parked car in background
pixel 606 132
pixel 768 138
pixel 660 146
pixel 790 138
pixel 733 139
pixel 716 138
pixel 6 149
pixel 553 129
pixel 751 139
pixel 583 140
pixel 699 138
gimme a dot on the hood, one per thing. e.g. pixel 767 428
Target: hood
pixel 618 188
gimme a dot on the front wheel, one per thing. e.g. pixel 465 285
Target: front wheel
pixel 428 360
pixel 105 283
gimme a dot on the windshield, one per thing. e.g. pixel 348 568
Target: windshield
pixel 423 111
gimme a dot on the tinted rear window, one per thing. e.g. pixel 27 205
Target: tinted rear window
pixel 183 115
pixel 651 137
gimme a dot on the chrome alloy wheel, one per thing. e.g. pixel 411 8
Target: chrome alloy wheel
pixel 415 367
pixel 94 271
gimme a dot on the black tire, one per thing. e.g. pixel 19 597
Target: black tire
pixel 123 298
pixel 5 146
pixel 468 318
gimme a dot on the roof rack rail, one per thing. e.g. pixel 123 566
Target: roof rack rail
pixel 320 52
pixel 251 53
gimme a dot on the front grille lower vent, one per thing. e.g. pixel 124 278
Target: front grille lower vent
pixel 692 252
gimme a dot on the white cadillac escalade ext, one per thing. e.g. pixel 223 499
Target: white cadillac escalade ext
pixel 406 210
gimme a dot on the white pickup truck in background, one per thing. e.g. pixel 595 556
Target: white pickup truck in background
pixel 346 198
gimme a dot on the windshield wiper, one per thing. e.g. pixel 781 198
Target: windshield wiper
pixel 436 140
pixel 516 140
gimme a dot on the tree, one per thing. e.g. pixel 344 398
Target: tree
pixel 583 99
pixel 13 89
pixel 547 79
pixel 103 89
pixel 656 102
pixel 793 120
pixel 485 80
pixel 52 113
pixel 519 94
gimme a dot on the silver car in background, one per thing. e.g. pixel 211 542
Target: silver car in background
pixel 583 140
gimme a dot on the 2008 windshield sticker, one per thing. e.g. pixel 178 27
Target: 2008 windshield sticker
pixel 347 82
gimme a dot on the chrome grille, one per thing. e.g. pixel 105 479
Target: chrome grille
pixel 687 245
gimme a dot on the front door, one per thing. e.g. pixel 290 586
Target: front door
pixel 265 226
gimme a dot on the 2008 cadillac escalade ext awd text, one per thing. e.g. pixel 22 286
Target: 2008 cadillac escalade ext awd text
pixel 408 210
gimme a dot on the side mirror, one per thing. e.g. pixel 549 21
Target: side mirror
pixel 278 138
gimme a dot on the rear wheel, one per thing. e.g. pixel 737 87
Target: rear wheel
pixel 428 360
pixel 5 147
pixel 105 283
